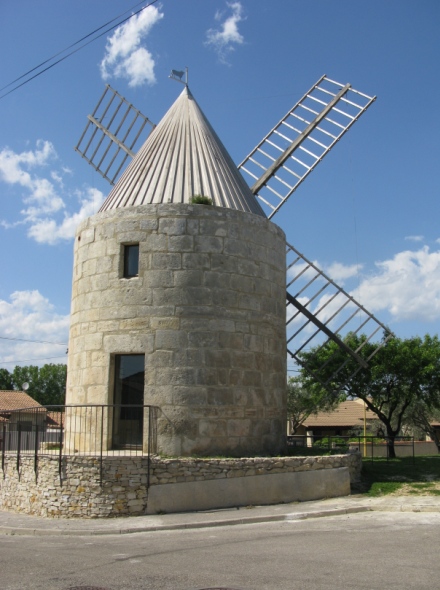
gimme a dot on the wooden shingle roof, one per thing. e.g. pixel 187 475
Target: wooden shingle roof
pixel 183 157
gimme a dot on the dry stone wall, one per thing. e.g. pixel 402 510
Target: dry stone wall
pixel 124 489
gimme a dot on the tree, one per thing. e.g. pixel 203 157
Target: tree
pixel 52 380
pixel 420 416
pixel 6 379
pixel 47 384
pixel 401 374
pixel 302 402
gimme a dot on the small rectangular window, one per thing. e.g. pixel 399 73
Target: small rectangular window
pixel 131 261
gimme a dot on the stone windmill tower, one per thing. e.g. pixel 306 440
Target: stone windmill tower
pixel 182 305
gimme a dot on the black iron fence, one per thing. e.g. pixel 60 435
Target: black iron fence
pixel 369 446
pixel 78 430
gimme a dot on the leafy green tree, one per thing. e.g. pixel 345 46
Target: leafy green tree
pixel 53 382
pixel 6 379
pixel 420 416
pixel 47 384
pixel 401 374
pixel 301 402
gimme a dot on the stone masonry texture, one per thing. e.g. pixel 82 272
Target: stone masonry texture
pixel 123 490
pixel 208 312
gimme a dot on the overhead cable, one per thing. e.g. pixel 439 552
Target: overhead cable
pixel 120 22
pixel 35 341
pixel 30 360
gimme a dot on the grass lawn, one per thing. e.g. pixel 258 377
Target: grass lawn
pixel 405 476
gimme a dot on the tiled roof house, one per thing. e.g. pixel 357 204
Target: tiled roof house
pixel 338 422
pixel 12 406
pixel 14 400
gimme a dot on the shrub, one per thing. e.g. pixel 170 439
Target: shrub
pixel 200 200
pixel 331 442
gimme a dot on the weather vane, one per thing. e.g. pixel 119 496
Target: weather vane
pixel 177 75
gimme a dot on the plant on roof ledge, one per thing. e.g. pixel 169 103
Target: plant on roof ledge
pixel 200 200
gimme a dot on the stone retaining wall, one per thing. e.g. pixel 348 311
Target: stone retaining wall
pixel 124 480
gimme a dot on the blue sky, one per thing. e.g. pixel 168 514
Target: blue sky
pixel 368 215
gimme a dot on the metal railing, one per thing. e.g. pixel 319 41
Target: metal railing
pixel 369 446
pixel 78 430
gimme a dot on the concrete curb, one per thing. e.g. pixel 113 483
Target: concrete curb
pixel 386 508
pixel 179 526
pixel 176 526
pixel 284 516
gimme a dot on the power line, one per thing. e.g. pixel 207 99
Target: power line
pixel 48 358
pixel 69 47
pixel 72 52
pixel 35 341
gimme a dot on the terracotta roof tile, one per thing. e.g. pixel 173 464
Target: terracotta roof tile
pixel 14 400
pixel 55 419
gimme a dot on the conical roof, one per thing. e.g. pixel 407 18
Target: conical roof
pixel 182 157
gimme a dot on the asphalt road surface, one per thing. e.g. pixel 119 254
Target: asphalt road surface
pixel 367 551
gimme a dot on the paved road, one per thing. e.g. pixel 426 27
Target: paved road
pixel 357 551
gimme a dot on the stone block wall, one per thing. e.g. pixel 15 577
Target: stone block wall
pixel 208 312
pixel 124 480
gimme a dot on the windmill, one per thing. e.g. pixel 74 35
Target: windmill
pixel 318 310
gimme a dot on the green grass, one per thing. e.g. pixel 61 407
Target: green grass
pixel 418 475
pixel 382 488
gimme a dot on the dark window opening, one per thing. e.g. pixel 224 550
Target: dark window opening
pixel 25 425
pixel 128 400
pixel 131 261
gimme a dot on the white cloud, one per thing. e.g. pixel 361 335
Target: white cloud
pixel 30 316
pixel 11 224
pixel 48 231
pixel 138 68
pixel 340 272
pixel 42 200
pixel 408 286
pixel 40 197
pixel 299 272
pixel 415 238
pixel 11 163
pixel 56 177
pixel 124 57
pixel 225 39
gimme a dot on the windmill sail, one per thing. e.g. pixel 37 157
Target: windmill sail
pixel 319 311
pixel 297 143
pixel 112 135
